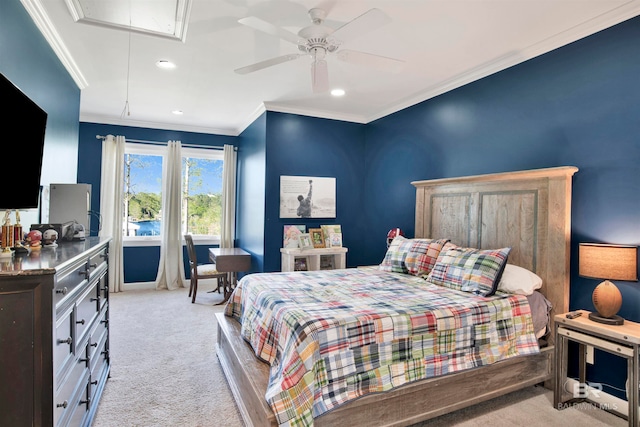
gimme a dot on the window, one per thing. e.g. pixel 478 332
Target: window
pixel 201 201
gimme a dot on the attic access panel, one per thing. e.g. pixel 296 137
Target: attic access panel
pixel 164 18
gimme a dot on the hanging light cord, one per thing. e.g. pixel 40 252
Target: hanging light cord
pixel 126 103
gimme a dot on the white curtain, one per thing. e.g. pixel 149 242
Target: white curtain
pixel 171 268
pixel 111 206
pixel 227 233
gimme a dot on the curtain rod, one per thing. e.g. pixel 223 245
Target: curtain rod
pixel 141 141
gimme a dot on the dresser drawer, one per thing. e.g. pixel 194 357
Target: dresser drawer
pixel 67 284
pixel 71 384
pixel 87 310
pixel 98 337
pixel 64 344
pixel 98 261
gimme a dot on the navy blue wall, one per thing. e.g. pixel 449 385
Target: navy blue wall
pixel 578 105
pixel 140 263
pixel 29 62
pixel 308 146
pixel 250 210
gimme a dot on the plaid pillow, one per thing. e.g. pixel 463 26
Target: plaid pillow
pixel 470 270
pixel 412 256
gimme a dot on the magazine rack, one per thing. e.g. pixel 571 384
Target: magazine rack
pixel 295 259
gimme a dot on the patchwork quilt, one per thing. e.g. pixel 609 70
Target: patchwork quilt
pixel 332 336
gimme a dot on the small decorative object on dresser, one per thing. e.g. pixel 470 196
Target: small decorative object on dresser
pixel 335 240
pixel 317 237
pixel 304 241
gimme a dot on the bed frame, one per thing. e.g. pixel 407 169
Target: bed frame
pixel 530 211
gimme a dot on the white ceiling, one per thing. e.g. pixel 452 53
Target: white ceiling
pixel 444 44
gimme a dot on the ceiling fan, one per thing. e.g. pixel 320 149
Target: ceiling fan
pixel 318 40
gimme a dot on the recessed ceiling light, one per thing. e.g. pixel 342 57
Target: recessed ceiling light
pixel 177 112
pixel 167 65
pixel 337 92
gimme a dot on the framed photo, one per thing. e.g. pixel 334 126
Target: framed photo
pixel 335 240
pixel 291 235
pixel 307 197
pixel 327 230
pixel 304 241
pixel 301 264
pixel 317 237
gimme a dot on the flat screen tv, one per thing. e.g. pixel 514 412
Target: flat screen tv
pixel 27 122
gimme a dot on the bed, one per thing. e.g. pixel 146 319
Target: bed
pixel 526 211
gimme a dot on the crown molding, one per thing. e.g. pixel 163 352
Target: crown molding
pixel 41 19
pixel 96 118
pixel 620 14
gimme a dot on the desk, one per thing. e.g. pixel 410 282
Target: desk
pixel 231 261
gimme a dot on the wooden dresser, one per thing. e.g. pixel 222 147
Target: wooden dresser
pixel 54 334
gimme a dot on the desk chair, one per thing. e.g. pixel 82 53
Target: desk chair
pixel 201 271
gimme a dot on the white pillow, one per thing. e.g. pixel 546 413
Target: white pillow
pixel 518 280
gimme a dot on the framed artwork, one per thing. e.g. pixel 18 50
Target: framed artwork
pixel 291 235
pixel 304 241
pixel 327 230
pixel 317 237
pixel 307 197
pixel 335 240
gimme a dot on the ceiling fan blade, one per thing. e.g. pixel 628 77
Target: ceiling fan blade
pixel 319 76
pixel 268 63
pixel 269 28
pixel 368 21
pixel 361 58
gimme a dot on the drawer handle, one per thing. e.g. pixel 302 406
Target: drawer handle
pixel 62 291
pixel 95 382
pixel 92 266
pixel 106 322
pixel 67 341
pixel 62 405
pixel 94 299
pixel 80 322
pixel 87 402
pixel 83 360
pixel 93 344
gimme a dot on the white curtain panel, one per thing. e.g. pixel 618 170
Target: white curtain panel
pixel 111 207
pixel 227 233
pixel 171 268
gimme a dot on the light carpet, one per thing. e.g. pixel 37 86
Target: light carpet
pixel 165 372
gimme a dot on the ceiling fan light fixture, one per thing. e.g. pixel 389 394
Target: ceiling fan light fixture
pixel 337 92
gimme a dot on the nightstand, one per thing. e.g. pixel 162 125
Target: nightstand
pixel 621 340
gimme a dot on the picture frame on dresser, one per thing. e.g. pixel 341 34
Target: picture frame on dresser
pixel 304 241
pixel 317 237
pixel 335 240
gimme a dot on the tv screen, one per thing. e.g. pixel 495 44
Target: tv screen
pixel 26 122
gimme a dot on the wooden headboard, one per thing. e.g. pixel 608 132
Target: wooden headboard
pixel 529 211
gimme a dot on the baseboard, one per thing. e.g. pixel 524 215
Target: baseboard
pixel 139 286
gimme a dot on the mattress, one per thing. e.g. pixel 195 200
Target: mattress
pixel 335 335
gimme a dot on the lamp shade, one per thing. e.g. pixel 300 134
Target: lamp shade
pixel 612 262
pixel 602 261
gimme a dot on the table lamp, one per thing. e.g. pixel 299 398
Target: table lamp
pixel 609 262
